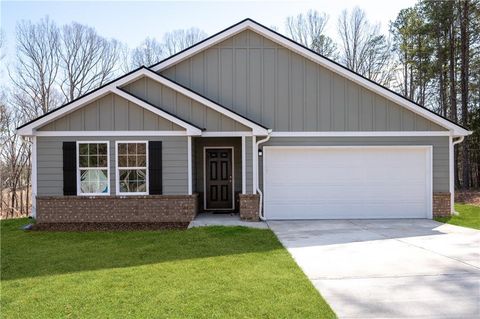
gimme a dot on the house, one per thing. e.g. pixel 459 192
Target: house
pixel 246 121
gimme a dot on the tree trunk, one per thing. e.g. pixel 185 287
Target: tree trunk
pixel 464 57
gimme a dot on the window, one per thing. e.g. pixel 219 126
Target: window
pixel 93 162
pixel 132 163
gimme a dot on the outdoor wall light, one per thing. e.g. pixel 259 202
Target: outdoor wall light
pixel 260 153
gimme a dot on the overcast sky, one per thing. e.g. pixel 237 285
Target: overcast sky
pixel 132 21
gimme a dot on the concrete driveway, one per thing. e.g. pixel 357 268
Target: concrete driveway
pixel 388 268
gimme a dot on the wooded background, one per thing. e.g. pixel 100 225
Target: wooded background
pixel 431 55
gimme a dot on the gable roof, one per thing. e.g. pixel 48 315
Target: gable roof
pixel 29 128
pixel 249 24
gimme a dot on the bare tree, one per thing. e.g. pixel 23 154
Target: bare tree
pixel 87 60
pixel 179 40
pixel 309 30
pixel 149 52
pixel 38 48
pixel 364 50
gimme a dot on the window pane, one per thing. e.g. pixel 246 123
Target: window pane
pixel 93 161
pixel 122 161
pixel 141 161
pixel 102 149
pixel 83 161
pixel 94 181
pixel 132 181
pixel 141 175
pixel 141 149
pixel 92 149
pixel 83 149
pixel 132 149
pixel 132 161
pixel 142 186
pixel 124 187
pixel 122 148
pixel 102 161
pixel 133 187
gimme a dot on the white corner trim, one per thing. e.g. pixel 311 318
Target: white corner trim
pixel 77 160
pixel 191 130
pixel 189 159
pixel 359 133
pixel 254 165
pixel 451 158
pixel 250 25
pixel 34 176
pixel 244 167
pixel 110 133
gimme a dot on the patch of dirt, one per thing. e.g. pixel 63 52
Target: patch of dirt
pixel 468 197
pixel 83 227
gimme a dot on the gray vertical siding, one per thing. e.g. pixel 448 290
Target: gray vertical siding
pixel 182 106
pixel 111 113
pixel 440 151
pixel 286 92
pixel 50 163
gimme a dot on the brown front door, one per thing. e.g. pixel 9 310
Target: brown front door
pixel 218 178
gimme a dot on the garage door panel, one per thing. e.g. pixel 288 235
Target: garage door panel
pixel 360 182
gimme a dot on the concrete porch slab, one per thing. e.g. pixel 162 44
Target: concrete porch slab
pixel 210 219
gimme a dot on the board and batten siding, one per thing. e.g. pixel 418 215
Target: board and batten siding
pixel 50 163
pixel 440 151
pixel 111 113
pixel 182 106
pixel 284 91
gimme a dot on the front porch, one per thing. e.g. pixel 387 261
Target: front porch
pixel 222 175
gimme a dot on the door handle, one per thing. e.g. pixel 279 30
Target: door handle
pixel 230 179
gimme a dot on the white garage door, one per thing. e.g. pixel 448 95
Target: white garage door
pixel 347 182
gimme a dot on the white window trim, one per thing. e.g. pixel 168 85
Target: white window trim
pixel 79 192
pixel 117 170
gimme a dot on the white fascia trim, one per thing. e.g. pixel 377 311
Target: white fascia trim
pixel 226 134
pixel 110 133
pixel 458 131
pixel 29 130
pixel 359 134
pixel 191 130
pixel 256 129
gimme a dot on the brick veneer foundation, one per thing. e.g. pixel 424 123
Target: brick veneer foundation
pixel 441 204
pixel 249 206
pixel 111 209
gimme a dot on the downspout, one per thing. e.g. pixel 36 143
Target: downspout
pixel 452 191
pixel 260 211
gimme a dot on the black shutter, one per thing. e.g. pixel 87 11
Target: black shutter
pixel 69 168
pixel 155 167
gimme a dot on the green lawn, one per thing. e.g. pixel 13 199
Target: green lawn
pixel 469 216
pixel 214 272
